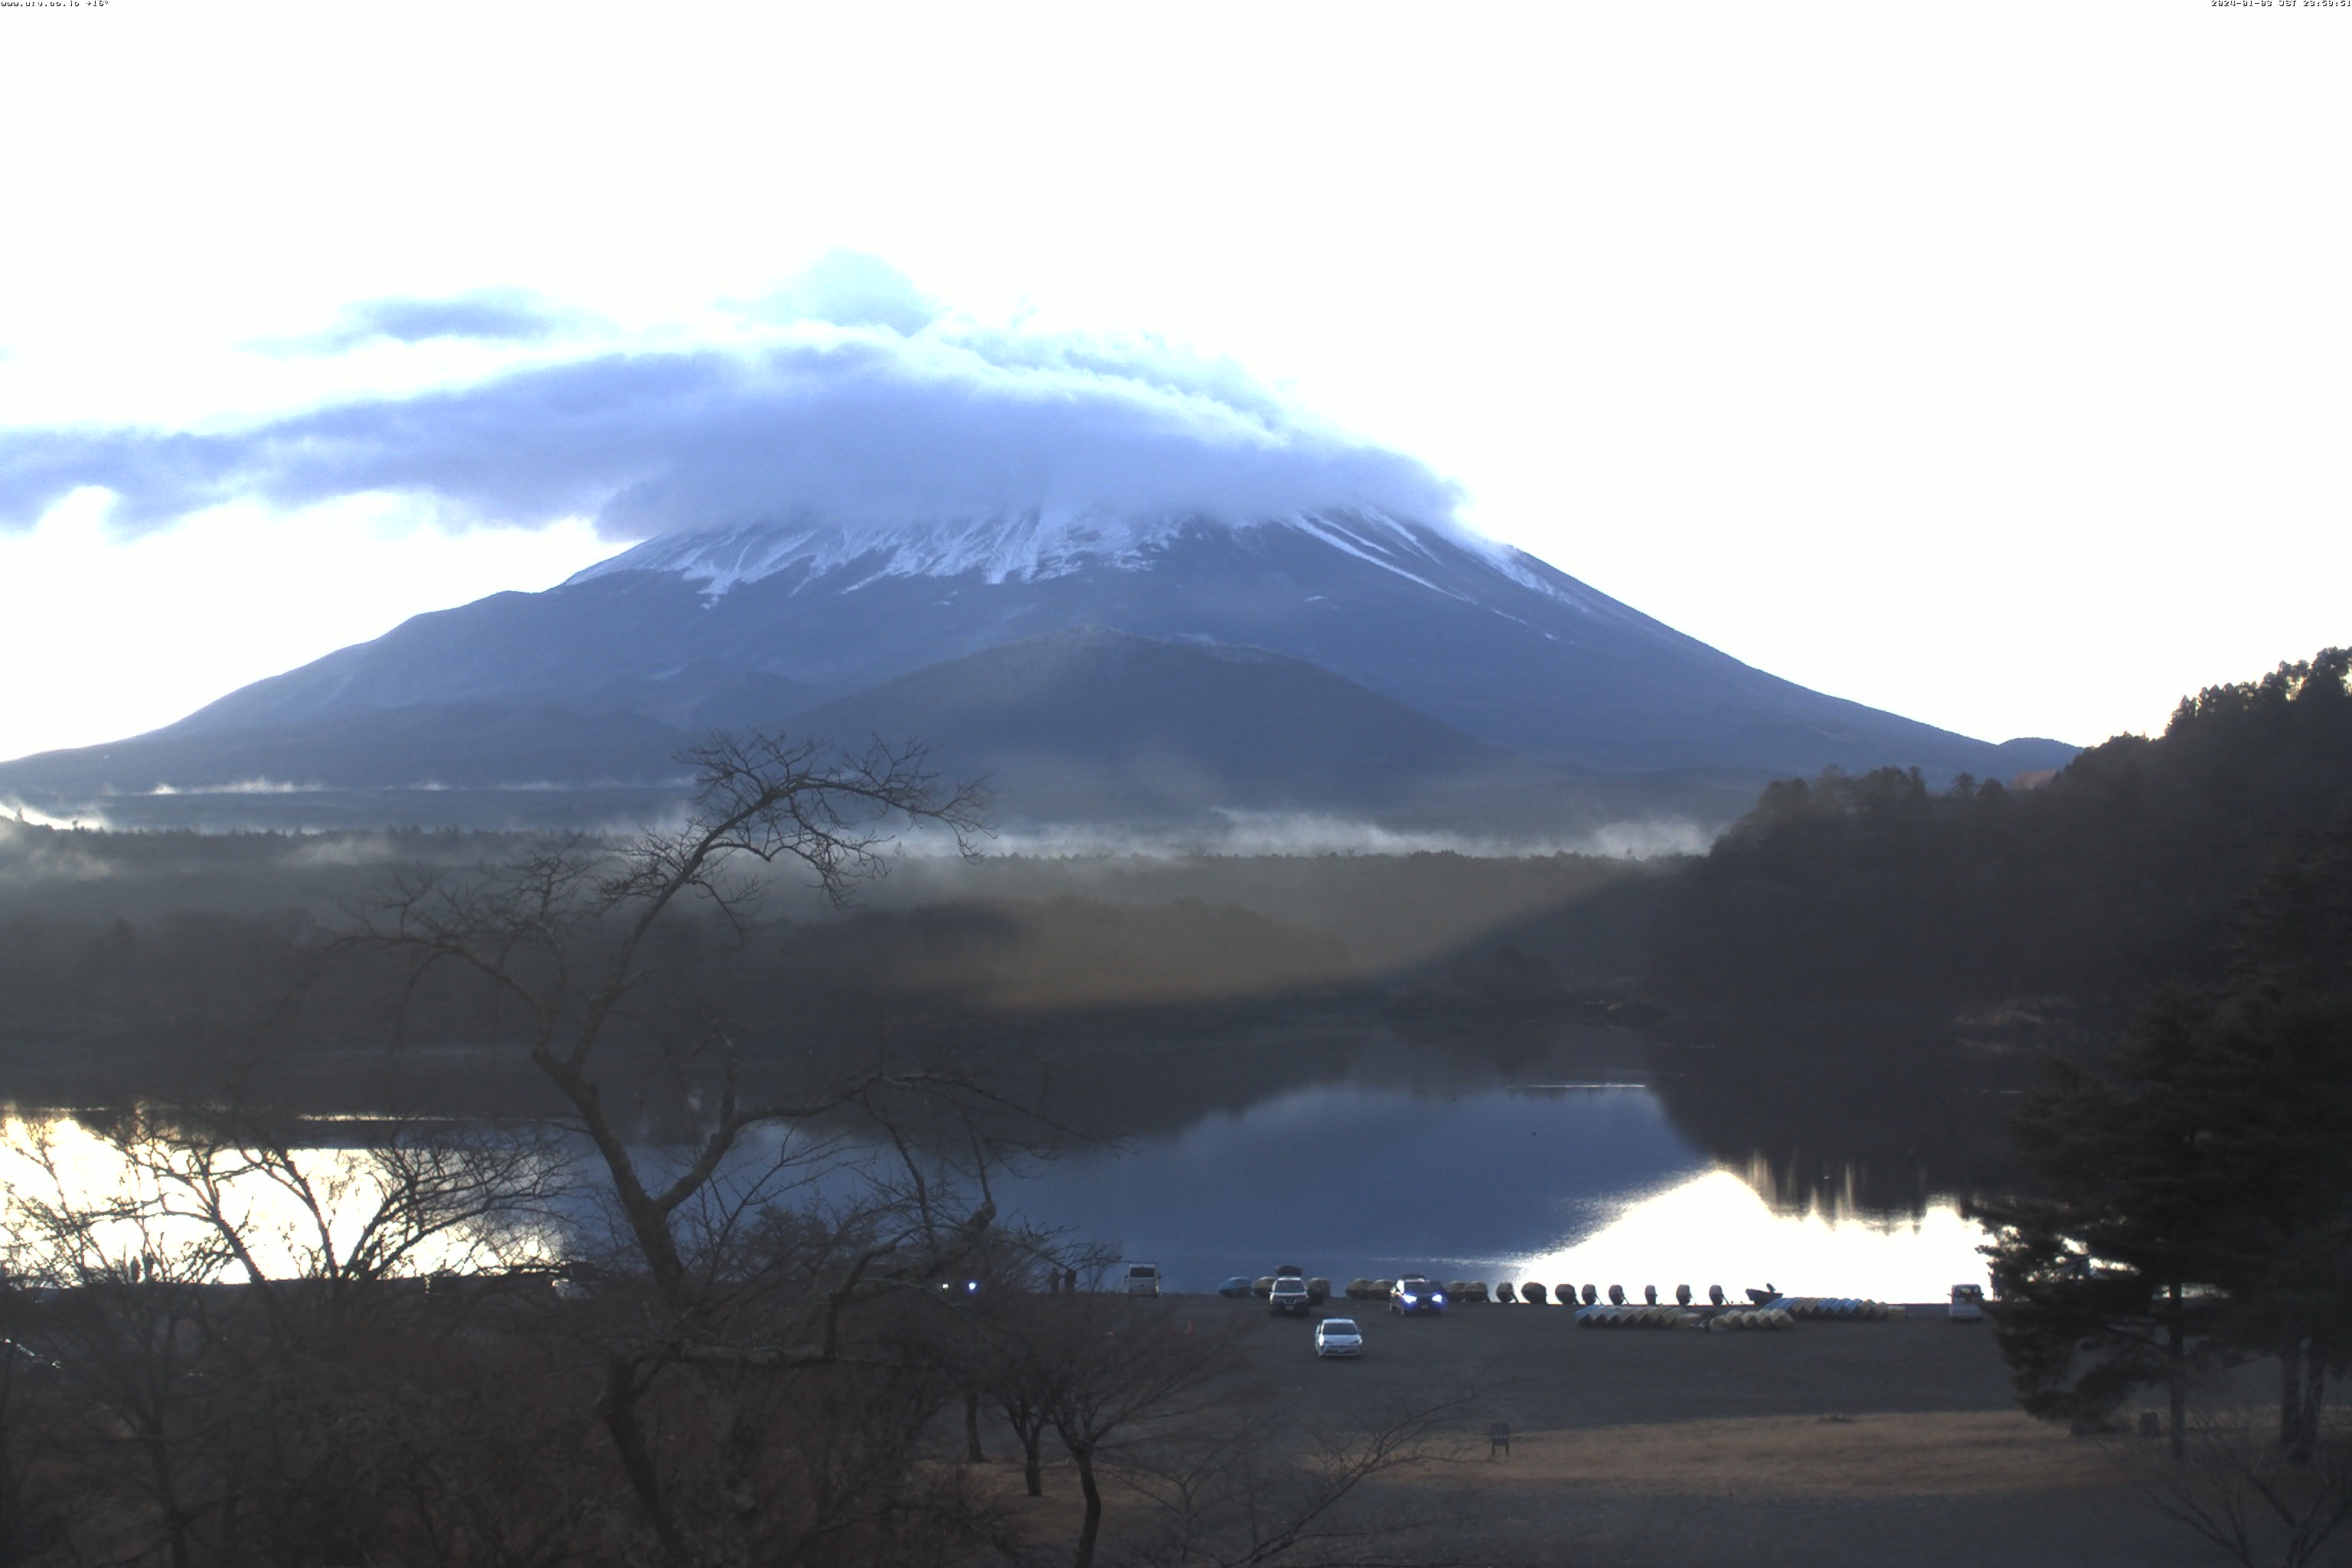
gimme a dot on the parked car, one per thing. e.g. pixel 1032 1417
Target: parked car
pixel 1416 1293
pixel 1968 1303
pixel 1237 1285
pixel 1339 1337
pixel 1143 1279
pixel 1289 1294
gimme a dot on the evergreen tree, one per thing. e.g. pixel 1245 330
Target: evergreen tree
pixel 2118 875
pixel 2198 1189
pixel 2104 1280
pixel 2284 1121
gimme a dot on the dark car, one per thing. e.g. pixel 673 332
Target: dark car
pixel 1416 1293
pixel 1239 1285
pixel 1290 1294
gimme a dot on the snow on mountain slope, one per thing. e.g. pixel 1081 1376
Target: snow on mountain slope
pixel 757 624
pixel 1037 544
pixel 1027 547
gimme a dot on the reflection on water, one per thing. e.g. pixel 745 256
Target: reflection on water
pixel 1396 1163
pixel 1877 1116
pixel 1716 1230
pixel 1557 1182
pixel 75 1204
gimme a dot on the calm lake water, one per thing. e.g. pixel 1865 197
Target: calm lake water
pixel 1561 1182
pixel 1580 1168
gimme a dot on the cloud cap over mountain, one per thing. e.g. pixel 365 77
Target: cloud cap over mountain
pixel 844 396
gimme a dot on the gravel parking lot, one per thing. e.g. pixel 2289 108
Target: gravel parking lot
pixel 1546 1373
pixel 1822 1444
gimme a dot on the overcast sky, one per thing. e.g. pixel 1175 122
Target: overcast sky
pixel 1984 363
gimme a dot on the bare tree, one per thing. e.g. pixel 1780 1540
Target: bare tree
pixel 243 1375
pixel 740 1254
pixel 276 1207
pixel 564 934
pixel 120 1312
pixel 2261 1500
pixel 33 1422
pixel 1003 1342
pixel 1238 1491
pixel 218 1308
pixel 1109 1373
pixel 1138 1401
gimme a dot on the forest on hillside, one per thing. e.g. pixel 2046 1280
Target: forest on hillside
pixel 2119 873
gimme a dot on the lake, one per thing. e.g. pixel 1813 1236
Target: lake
pixel 1561 1182
pixel 1595 1157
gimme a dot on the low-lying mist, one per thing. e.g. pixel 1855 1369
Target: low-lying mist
pixel 132 948
pixel 1391 898
pixel 1242 833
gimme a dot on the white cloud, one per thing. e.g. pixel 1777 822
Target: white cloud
pixel 1984 369
pixel 888 415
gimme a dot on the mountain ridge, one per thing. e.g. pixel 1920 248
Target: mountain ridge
pixel 755 624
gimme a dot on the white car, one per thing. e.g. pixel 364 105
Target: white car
pixel 1968 1303
pixel 1338 1336
pixel 1143 1279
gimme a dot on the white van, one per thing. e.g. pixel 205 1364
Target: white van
pixel 1143 1279
pixel 1968 1303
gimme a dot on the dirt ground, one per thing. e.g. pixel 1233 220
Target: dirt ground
pixel 1825 1445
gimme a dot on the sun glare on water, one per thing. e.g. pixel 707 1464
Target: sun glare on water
pixel 1716 1230
pixel 75 1204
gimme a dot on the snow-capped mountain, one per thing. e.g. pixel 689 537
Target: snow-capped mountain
pixel 759 624
pixel 1034 545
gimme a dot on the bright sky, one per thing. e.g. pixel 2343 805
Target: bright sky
pixel 1985 363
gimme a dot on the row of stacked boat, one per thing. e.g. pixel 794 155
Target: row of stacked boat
pixel 1785 1313
pixel 1832 1308
pixel 1764 1311
pixel 1533 1292
pixel 1718 1320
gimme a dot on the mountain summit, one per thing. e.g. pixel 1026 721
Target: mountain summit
pixel 1436 633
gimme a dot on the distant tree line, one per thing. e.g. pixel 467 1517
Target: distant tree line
pixel 137 963
pixel 2117 873
pixel 101 1001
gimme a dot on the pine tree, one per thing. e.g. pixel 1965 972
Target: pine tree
pixel 2284 1126
pixel 2105 1282
pixel 2198 1187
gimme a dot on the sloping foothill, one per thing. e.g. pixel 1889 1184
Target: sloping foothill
pixel 2119 869
pixel 1082 728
